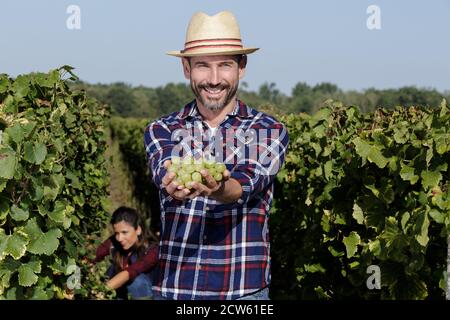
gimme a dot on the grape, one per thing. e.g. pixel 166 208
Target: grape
pixel 197 177
pixel 176 160
pixel 220 167
pixel 187 170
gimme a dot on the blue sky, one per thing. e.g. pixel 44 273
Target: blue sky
pixel 308 41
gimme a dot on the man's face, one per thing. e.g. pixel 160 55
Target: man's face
pixel 214 79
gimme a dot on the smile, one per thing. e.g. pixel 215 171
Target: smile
pixel 214 92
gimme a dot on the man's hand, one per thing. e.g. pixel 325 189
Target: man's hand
pixel 173 188
pixel 211 187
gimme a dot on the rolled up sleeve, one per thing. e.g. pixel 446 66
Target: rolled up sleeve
pixel 256 174
pixel 158 145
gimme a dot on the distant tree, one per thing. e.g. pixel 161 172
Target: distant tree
pixel 121 100
pixel 269 92
pixel 145 102
pixel 173 97
pixel 325 88
pixel 301 89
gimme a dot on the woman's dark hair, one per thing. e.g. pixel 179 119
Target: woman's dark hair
pixel 133 218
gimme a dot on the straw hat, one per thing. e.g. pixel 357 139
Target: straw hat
pixel 212 36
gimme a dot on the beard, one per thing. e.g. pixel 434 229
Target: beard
pixel 214 104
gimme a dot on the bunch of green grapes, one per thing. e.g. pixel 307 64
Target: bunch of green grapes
pixel 187 170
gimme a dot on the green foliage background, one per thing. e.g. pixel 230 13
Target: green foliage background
pixel 52 182
pixel 358 188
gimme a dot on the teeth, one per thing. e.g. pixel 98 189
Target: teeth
pixel 213 91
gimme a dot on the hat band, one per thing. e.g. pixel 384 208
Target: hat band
pixel 211 46
pixel 213 43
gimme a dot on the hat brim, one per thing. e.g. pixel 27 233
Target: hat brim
pixel 212 52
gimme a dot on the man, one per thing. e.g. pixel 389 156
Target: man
pixel 214 237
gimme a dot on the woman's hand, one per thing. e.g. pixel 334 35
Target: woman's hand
pixel 118 280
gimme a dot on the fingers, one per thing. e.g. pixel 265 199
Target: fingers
pixel 210 181
pixel 198 189
pixel 171 187
pixel 226 175
pixel 167 163
pixel 167 179
pixel 194 194
pixel 181 194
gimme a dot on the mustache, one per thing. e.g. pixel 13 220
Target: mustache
pixel 219 86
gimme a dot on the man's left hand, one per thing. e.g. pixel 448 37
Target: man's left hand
pixel 210 187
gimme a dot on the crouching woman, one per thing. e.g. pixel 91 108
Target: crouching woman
pixel 133 256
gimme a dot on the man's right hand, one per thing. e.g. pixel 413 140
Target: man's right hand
pixel 172 188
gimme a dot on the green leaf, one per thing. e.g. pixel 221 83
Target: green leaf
pixel 351 243
pixel 4 83
pixel 422 224
pixel 21 86
pixel 407 174
pixel 16 245
pixel 386 190
pixel 391 231
pixel 4 210
pixel 60 214
pixel 35 153
pixel 28 152
pixel 358 213
pixel 10 103
pixel 8 163
pixel 375 155
pixel 40 151
pixel 27 273
pixel 325 221
pixel 3 183
pixel 444 109
pixel 375 247
pixel 370 152
pixel 429 155
pixel 40 242
pixel 430 179
pixel 362 148
pixel 437 215
pixel 401 134
pixel 404 220
pixel 3 244
pixel 313 268
pixel 50 193
pixel 16 132
pixel 369 183
pixel 40 294
pixel 19 214
pixel 328 169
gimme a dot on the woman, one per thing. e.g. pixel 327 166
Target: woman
pixel 133 257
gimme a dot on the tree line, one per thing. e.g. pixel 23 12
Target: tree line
pixel 145 102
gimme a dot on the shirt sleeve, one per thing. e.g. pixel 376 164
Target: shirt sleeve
pixel 263 164
pixel 158 145
pixel 103 250
pixel 145 264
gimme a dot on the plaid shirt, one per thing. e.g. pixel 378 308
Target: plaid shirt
pixel 211 250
